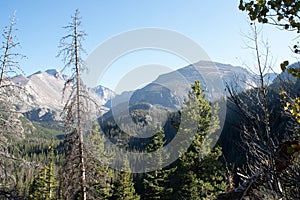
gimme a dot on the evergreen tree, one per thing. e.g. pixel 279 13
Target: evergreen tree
pixel 99 179
pixel 124 188
pixel 105 186
pixel 44 185
pixel 156 183
pixel 200 178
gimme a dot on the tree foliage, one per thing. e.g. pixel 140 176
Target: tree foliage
pixel 99 175
pixel 282 13
pixel 44 186
pixel 200 178
pixel 157 183
pixel 124 187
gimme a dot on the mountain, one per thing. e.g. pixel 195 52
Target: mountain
pixel 104 93
pixel 44 102
pixel 158 102
pixel 43 88
pixel 169 90
pixel 43 99
pixel 139 112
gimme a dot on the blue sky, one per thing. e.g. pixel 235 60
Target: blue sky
pixel 215 25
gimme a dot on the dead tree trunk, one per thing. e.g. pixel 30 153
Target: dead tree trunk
pixel 75 107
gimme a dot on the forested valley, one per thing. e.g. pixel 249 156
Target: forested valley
pixel 255 156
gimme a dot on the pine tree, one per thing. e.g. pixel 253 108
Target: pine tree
pixel 105 186
pixel 124 188
pixel 44 185
pixel 101 176
pixel 200 178
pixel 156 183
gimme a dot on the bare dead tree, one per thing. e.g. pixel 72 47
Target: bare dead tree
pixel 9 66
pixel 10 125
pixel 260 141
pixel 76 112
pixel 15 171
pixel 9 62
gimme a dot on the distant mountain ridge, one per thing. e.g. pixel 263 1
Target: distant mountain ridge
pixel 43 99
pixel 44 89
pixel 171 89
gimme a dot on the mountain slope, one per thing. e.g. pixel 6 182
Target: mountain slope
pixel 170 90
pixel 44 89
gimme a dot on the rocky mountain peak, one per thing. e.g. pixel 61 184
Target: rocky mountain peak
pixel 44 94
